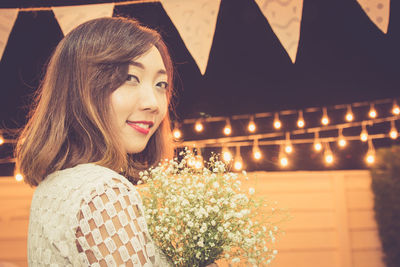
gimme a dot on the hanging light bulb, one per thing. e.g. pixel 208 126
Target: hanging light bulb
pixel 283 159
pixel 256 150
pixel 19 177
pixel 317 142
pixel 177 134
pixel 349 114
pixel 191 160
pixel 370 157
pixel 395 109
pixel 228 127
pixel 252 125
pixel 226 154
pixel 238 164
pixel 300 120
pixel 341 140
pixel 324 119
pixel 288 144
pixel 372 111
pixel 328 154
pixel 1 140
pixel 199 126
pixel 198 162
pixel 393 131
pixel 364 133
pixel 277 122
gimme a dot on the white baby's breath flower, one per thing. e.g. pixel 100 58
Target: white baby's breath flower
pixel 251 191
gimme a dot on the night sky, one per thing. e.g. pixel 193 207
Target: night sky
pixel 342 58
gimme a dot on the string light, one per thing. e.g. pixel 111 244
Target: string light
pixel 395 109
pixel 228 127
pixel 370 157
pixel 341 140
pixel 349 114
pixel 325 118
pixel 317 142
pixel 300 120
pixel 283 159
pixel 364 133
pixel 256 150
pixel 252 126
pixel 199 126
pixel 288 144
pixel 177 134
pixel 372 111
pixel 226 154
pixel 238 164
pixel 277 122
pixel 328 154
pixel 199 161
pixel 393 131
pixel 19 177
pixel 1 140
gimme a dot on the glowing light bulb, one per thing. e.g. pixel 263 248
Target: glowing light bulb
pixel 238 165
pixel 328 154
pixel 393 134
pixel 364 136
pixel 277 122
pixel 372 112
pixel 349 114
pixel 191 161
pixel 228 128
pixel 329 158
pixel 256 150
pixel 252 126
pixel 198 163
pixel 396 109
pixel 1 140
pixel 284 161
pixel 19 177
pixel 342 142
pixel 317 146
pixel 370 159
pixel 288 149
pixel 177 133
pixel 300 120
pixel 257 155
pixel 226 154
pixel 199 126
pixel 324 119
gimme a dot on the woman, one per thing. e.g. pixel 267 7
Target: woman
pixel 101 111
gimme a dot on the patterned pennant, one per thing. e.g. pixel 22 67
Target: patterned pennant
pixel 378 12
pixel 69 17
pixel 7 20
pixel 285 20
pixel 195 22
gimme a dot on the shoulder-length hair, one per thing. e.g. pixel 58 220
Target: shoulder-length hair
pixel 69 122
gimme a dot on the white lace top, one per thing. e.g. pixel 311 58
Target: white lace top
pixel 89 215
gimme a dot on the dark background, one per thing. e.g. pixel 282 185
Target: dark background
pixel 342 58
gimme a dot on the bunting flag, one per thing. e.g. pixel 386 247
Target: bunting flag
pixel 7 20
pixel 378 12
pixel 69 17
pixel 195 22
pixel 285 20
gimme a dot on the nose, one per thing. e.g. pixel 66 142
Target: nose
pixel 148 100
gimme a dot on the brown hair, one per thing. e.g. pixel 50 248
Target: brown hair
pixel 70 122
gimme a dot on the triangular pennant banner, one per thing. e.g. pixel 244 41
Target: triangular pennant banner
pixel 7 20
pixel 195 22
pixel 378 12
pixel 69 17
pixel 285 20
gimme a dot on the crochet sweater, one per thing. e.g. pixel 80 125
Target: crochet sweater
pixel 89 215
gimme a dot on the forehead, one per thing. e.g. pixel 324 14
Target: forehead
pixel 151 61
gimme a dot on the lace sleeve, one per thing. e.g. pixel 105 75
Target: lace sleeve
pixel 112 229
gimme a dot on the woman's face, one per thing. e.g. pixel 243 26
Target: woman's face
pixel 141 103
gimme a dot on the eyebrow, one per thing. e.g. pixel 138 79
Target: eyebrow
pixel 140 65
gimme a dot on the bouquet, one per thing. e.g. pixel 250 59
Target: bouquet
pixel 197 215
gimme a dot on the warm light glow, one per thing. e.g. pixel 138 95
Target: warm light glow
pixel 317 146
pixel 349 117
pixel 288 149
pixel 257 155
pixel 177 133
pixel 238 165
pixel 300 123
pixel 19 177
pixel 252 126
pixel 198 163
pixel 393 134
pixel 364 137
pixel 199 126
pixel 277 124
pixel 325 120
pixel 370 159
pixel 372 112
pixel 284 161
pixel 329 158
pixel 191 162
pixel 1 140
pixel 396 110
pixel 228 128
pixel 226 154
pixel 342 142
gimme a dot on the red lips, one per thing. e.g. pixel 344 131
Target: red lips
pixel 140 126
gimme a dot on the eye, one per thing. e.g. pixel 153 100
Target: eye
pixel 132 79
pixel 163 85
